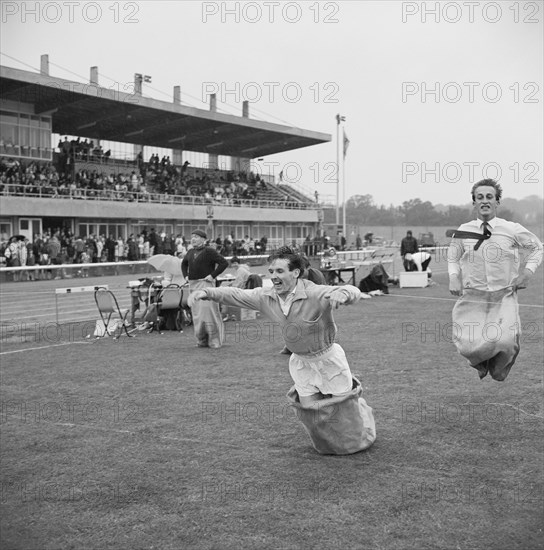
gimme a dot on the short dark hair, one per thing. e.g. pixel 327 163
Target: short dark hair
pixel 294 261
pixel 235 260
pixel 489 183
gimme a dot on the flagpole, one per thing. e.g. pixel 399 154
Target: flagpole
pixel 344 191
pixel 339 119
pixel 337 172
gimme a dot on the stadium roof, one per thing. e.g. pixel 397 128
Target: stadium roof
pixel 88 110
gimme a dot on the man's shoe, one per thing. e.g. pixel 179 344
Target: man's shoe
pixel 285 351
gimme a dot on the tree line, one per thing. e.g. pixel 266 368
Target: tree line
pixel 361 210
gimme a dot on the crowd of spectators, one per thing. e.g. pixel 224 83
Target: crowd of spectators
pixel 61 246
pixel 154 181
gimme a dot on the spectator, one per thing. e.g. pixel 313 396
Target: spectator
pixel 241 273
pixel 358 242
pixel 201 265
pixel 110 248
pixel 132 246
pixel 422 260
pixel 408 245
pixel 153 242
pixel 168 245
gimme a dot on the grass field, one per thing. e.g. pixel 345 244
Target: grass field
pixel 152 443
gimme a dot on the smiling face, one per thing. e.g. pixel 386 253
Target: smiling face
pixel 284 281
pixel 485 202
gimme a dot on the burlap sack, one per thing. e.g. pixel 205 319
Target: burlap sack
pixel 338 425
pixel 486 330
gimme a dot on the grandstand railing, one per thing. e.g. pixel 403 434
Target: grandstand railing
pixel 49 192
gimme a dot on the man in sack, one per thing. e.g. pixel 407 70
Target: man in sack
pixel 329 400
pixel 489 260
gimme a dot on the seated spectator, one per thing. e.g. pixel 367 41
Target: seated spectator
pixel 241 273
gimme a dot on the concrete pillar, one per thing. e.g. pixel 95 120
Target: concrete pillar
pixel 243 164
pixel 138 84
pixel 177 154
pixel 94 76
pixel 44 64
pixel 213 159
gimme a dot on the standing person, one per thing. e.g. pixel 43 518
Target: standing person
pixel 201 265
pixel 485 271
pixel 318 366
pixel 110 248
pixel 153 242
pixel 408 246
pixel 358 242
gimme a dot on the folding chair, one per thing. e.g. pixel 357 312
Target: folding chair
pixel 107 304
pixel 169 299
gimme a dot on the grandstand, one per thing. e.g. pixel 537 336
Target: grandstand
pixel 49 181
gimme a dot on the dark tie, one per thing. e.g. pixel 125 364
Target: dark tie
pixel 485 236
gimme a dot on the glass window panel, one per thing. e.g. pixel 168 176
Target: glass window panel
pixel 5 230
pixel 9 134
pixel 8 118
pixel 24 135
pixel 34 137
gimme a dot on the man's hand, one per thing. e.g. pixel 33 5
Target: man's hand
pixel 208 278
pixel 196 295
pixel 522 280
pixel 336 298
pixel 456 286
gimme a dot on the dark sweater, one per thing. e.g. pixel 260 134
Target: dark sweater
pixel 408 245
pixel 198 264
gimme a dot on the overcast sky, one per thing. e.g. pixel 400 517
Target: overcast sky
pixel 378 64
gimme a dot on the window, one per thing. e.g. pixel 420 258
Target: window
pixel 5 230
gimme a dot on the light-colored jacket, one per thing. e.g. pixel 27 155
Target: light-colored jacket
pixel 309 327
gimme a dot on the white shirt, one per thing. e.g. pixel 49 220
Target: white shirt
pixel 287 303
pixel 497 261
pixel 419 257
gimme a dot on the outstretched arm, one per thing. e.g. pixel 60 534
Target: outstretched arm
pixel 195 296
pixel 230 296
pixel 346 295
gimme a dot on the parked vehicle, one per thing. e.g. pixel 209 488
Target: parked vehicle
pixel 426 240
